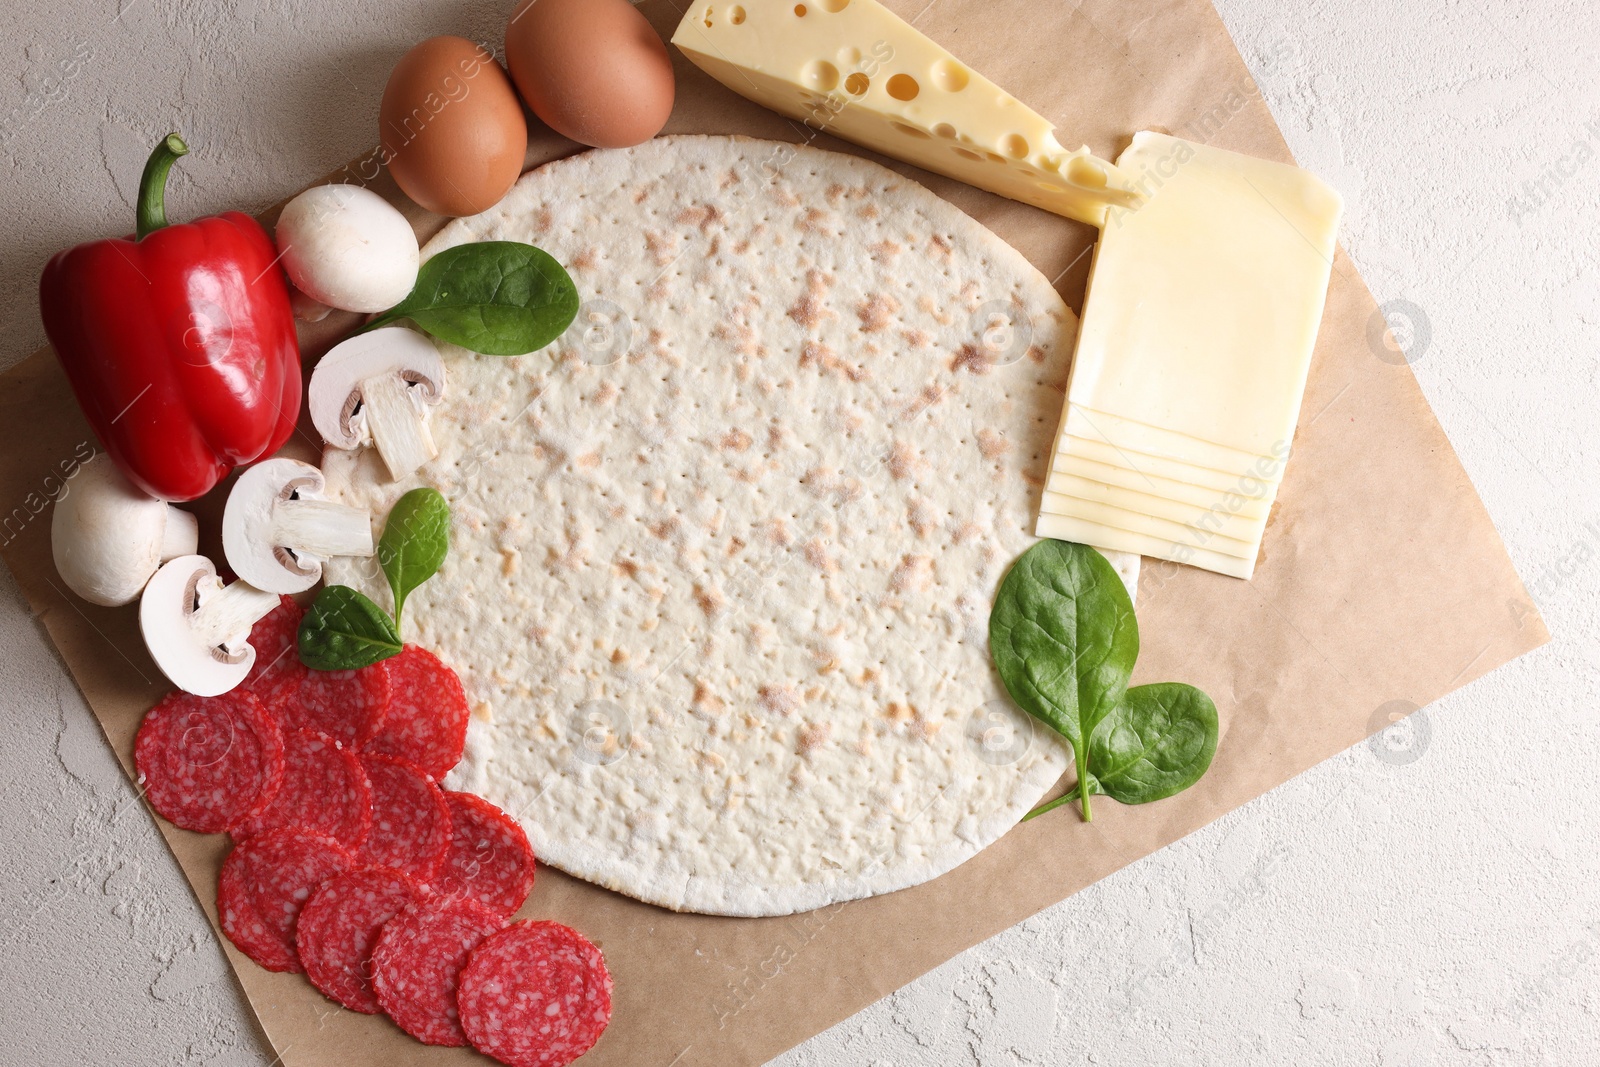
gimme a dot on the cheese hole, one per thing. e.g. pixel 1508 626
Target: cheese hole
pixel 857 84
pixel 708 18
pixel 736 15
pixel 912 130
pixel 950 75
pixel 820 74
pixel 800 11
pixel 1082 172
pixel 1015 145
pixel 945 130
pixel 834 5
pixel 849 56
pixel 903 87
pixel 967 153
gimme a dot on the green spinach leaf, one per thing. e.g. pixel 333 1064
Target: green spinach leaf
pixel 344 631
pixel 416 538
pixel 500 298
pixel 1157 742
pixel 1064 640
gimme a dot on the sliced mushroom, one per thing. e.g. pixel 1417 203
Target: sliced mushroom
pixel 197 629
pixel 278 530
pixel 377 387
pixel 108 538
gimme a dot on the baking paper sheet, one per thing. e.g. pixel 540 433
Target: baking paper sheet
pixel 1383 586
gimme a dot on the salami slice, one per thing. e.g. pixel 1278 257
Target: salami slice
pixel 347 705
pixel 427 720
pixel 536 994
pixel 339 928
pixel 417 966
pixel 277 668
pixel 207 763
pixel 265 882
pixel 410 819
pixel 324 790
pixel 490 860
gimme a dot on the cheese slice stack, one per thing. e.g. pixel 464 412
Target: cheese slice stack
pixel 857 70
pixel 1192 356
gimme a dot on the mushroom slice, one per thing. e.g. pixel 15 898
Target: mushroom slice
pixel 278 530
pixel 108 538
pixel 197 629
pixel 376 387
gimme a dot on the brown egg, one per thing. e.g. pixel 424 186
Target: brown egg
pixel 452 130
pixel 593 70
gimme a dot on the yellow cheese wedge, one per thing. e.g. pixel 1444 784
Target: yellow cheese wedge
pixel 855 69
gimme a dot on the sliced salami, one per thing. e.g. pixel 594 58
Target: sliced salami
pixel 411 825
pixel 416 967
pixel 339 928
pixel 427 720
pixel 536 994
pixel 208 763
pixel 265 882
pixel 324 790
pixel 277 669
pixel 490 860
pixel 347 705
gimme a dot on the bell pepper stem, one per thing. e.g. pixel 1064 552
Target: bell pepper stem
pixel 152 206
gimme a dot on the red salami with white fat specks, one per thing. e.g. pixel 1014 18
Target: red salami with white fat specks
pixel 275 637
pixel 536 994
pixel 489 860
pixel 347 705
pixel 208 763
pixel 416 967
pixel 427 719
pixel 410 819
pixel 265 883
pixel 339 928
pixel 324 790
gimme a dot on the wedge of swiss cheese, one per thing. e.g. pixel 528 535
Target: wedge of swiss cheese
pixel 855 69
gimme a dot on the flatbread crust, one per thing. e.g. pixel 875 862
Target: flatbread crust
pixel 722 557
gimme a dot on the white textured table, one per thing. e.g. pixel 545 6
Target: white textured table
pixel 1431 898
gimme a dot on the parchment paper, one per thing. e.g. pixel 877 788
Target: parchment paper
pixel 1383 586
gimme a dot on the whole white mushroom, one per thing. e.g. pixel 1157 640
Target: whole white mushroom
pixel 108 538
pixel 348 248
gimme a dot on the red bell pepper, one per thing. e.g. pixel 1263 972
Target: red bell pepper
pixel 179 342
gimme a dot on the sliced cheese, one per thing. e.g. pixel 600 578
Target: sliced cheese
pixel 1218 515
pixel 1208 532
pixel 1119 432
pixel 855 69
pixel 1204 301
pixel 1069 466
pixel 1109 538
pixel 1139 463
pixel 1194 348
